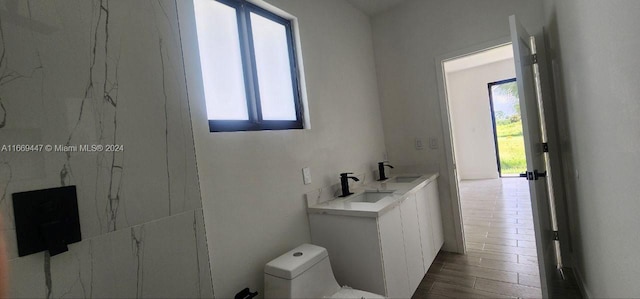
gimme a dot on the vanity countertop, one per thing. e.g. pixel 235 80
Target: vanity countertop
pixel 345 206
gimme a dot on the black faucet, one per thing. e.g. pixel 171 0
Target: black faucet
pixel 344 181
pixel 381 166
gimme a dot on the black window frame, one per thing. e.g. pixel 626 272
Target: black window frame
pixel 494 121
pixel 252 89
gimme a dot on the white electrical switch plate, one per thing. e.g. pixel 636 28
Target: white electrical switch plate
pixel 306 175
pixel 433 143
pixel 419 144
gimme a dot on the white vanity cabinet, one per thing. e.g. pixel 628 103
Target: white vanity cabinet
pixel 433 199
pixel 412 241
pixel 366 253
pixel 392 247
pixel 386 253
pixel 430 221
pixel 426 228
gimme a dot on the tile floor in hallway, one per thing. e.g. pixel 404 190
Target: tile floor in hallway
pixel 501 257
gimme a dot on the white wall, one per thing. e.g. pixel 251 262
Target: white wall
pixel 251 182
pixel 407 40
pixel 472 126
pixel 594 50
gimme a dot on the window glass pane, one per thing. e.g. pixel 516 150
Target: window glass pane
pixel 273 68
pixel 221 61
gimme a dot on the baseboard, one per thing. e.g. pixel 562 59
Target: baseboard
pixel 581 285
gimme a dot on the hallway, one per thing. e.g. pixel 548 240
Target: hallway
pixel 501 260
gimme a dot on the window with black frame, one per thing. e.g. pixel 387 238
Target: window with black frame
pixel 248 67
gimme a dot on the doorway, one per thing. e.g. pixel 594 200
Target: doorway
pixel 538 175
pixel 495 209
pixel 451 174
pixel 495 213
pixel 507 128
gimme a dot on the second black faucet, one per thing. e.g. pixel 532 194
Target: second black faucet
pixel 381 166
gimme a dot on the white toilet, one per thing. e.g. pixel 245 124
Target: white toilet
pixel 305 272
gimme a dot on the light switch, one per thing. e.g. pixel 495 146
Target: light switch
pixel 306 175
pixel 419 144
pixel 433 143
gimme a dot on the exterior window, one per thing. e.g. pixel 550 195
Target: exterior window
pixel 248 67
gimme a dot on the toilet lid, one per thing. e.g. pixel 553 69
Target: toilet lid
pixel 349 293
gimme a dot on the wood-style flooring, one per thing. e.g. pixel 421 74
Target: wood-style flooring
pixel 501 259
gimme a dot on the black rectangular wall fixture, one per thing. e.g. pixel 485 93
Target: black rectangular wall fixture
pixel 46 220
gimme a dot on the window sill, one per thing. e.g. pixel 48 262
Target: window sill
pixel 216 126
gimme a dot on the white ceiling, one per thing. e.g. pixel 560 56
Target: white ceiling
pixel 478 59
pixel 374 7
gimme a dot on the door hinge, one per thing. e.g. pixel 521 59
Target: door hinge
pixel 545 147
pixel 556 235
pixel 534 58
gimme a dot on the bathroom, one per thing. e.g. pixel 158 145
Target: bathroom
pixel 170 209
pixel 181 211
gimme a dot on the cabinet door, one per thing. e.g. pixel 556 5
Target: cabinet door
pixel 436 217
pixel 412 246
pixel 426 231
pixel 393 256
pixel 354 250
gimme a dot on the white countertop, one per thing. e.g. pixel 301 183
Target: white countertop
pixel 344 206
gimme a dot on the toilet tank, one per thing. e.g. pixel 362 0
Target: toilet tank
pixel 304 272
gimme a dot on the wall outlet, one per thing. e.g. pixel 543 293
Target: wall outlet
pixel 419 144
pixel 306 175
pixel 433 143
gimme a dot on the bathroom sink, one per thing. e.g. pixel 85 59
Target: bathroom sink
pixel 403 179
pixel 371 196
